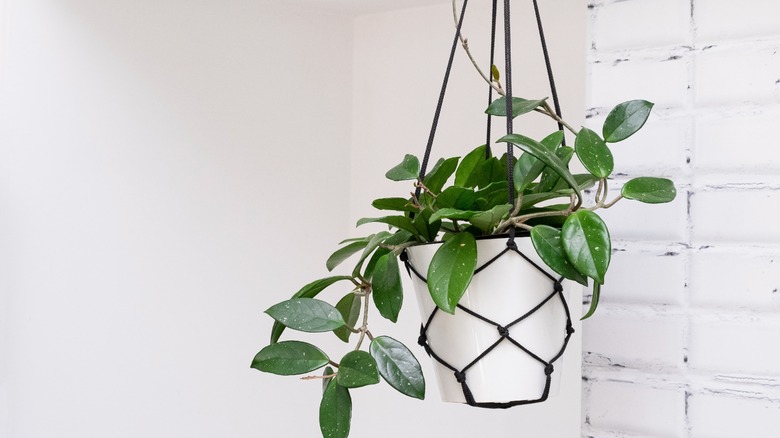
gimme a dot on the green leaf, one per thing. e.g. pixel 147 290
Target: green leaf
pixel 593 153
pixel 626 119
pixel 528 168
pixel 357 369
pixel 650 190
pixel 451 269
pixel 495 73
pixel 311 290
pixel 539 151
pixel 468 166
pixel 440 173
pixel 398 366
pixel 584 181
pixel 456 197
pixel 400 222
pixel 371 265
pixel 594 301
pixel 520 106
pixel 349 308
pixel 408 169
pixel 547 242
pixel 587 244
pixel 335 411
pixel 394 204
pixel 344 253
pixel 452 213
pixel 306 315
pixel 388 292
pixel 289 358
pixel 326 381
pixel 549 178
pixel 374 243
pixel 489 171
pixel 426 228
pixel 488 220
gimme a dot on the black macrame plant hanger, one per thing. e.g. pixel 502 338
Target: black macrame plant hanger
pixel 556 288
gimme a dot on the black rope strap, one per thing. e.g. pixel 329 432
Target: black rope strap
pixel 503 332
pixel 548 64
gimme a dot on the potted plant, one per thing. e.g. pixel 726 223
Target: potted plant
pixel 438 232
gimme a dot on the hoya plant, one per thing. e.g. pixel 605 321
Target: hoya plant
pixel 458 201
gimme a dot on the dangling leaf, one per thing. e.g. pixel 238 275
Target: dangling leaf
pixel 650 190
pixel 520 106
pixel 464 176
pixel 547 242
pixel 594 153
pixel 335 411
pixel 408 169
pixel 400 222
pixel 394 204
pixel 438 176
pixel 451 270
pixel 587 244
pixel 289 358
pixel 344 253
pixel 388 291
pixel 488 220
pixel 306 315
pixel 594 301
pixel 460 198
pixel 357 369
pixel 626 119
pixel 398 366
pixel 373 243
pixel 349 308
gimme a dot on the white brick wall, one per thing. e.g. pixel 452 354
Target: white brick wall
pixel 686 342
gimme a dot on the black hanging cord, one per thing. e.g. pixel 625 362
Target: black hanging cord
pixel 550 76
pixel 432 135
pixel 510 162
pixel 490 76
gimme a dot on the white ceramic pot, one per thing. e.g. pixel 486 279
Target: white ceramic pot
pixel 502 292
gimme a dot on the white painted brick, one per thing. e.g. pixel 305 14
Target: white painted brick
pixel 641 23
pixel 723 20
pixel 636 409
pixel 721 416
pixel 664 83
pixel 660 146
pixel 632 220
pixel 645 277
pixel 742 347
pixel 737 76
pixel 737 142
pixel 727 215
pixel 612 339
pixel 735 279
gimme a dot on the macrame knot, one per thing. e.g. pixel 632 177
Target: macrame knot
pixel 422 340
pixel 558 286
pixel 503 331
pixel 460 377
pixel 569 330
pixel 548 369
pixel 404 256
pixel 511 244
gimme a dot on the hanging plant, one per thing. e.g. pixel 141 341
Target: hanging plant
pixel 460 200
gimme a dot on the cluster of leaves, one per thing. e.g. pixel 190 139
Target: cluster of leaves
pixel 543 198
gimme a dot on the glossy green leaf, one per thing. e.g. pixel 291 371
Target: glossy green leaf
pixel 426 228
pixel 594 301
pixel 468 167
pixel 344 253
pixel 520 106
pixel 626 119
pixel 539 151
pixel 587 244
pixel 584 181
pixel 456 197
pixel 488 220
pixel 452 213
pixel 388 292
pixel 408 169
pixel 549 177
pixel 547 242
pixel 490 171
pixel 400 222
pixel 357 369
pixel 349 309
pixel 306 315
pixel 289 358
pixel 594 153
pixel 311 290
pixel 451 270
pixel 440 173
pixel 650 190
pixel 371 265
pixel 398 366
pixel 394 204
pixel 335 411
pixel 373 243
pixel 528 168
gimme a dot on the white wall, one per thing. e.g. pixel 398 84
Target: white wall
pixel 399 64
pixel 685 342
pixel 155 159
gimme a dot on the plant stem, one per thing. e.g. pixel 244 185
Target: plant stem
pixel 364 327
pixel 551 113
pixel 613 202
pixel 328 376
pixel 335 364
pixel 465 44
